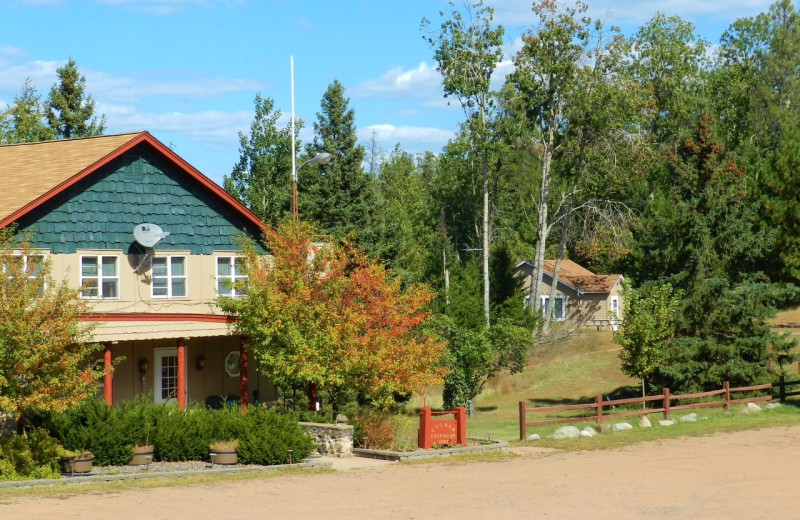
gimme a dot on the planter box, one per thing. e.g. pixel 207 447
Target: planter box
pixel 224 457
pixel 141 455
pixel 72 465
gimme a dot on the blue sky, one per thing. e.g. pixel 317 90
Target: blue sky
pixel 188 70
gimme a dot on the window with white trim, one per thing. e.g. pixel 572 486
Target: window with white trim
pixel 614 307
pixel 560 310
pixel 169 277
pixel 100 277
pixel 31 265
pixel 230 271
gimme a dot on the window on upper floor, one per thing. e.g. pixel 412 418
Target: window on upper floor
pixel 230 270
pixel 100 277
pixel 560 310
pixel 169 277
pixel 31 265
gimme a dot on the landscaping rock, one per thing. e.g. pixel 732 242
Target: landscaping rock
pixel 534 437
pixel 753 407
pixel 644 422
pixel 689 417
pixel 621 427
pixel 771 406
pixel 588 432
pixel 566 432
pixel 665 422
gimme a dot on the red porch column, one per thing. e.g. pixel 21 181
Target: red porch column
pixel 244 400
pixel 182 373
pixel 108 380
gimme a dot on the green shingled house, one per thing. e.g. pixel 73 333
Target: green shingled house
pixel 154 298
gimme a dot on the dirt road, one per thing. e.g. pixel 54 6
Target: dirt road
pixel 747 475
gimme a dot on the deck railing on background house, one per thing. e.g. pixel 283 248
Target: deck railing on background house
pixel 666 407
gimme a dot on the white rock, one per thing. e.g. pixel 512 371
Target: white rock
pixel 644 422
pixel 771 406
pixel 588 432
pixel 753 407
pixel 689 417
pixel 621 427
pixel 534 437
pixel 566 432
pixel 665 422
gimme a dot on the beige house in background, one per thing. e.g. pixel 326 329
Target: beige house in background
pixel 583 298
pixel 88 203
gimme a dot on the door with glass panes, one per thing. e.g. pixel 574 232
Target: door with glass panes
pixel 166 375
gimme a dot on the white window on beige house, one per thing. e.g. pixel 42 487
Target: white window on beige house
pixel 230 270
pixel 560 310
pixel 31 264
pixel 169 277
pixel 100 276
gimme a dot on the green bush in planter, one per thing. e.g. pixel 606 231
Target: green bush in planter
pixel 268 436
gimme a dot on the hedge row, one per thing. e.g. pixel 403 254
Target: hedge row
pixel 265 436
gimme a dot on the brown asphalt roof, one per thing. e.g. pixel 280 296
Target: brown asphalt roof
pixel 581 278
pixel 30 170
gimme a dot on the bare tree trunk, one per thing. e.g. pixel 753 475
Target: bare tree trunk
pixel 486 232
pixel 543 225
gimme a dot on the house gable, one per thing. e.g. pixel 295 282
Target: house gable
pixel 141 185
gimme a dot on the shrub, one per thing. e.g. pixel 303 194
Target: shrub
pixel 373 429
pixel 268 436
pixel 26 457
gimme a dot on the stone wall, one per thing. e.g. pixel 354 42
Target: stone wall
pixel 334 440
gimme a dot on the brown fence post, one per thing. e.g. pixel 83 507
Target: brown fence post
pixel 665 391
pixel 782 389
pixel 424 439
pixel 727 387
pixel 598 404
pixel 523 429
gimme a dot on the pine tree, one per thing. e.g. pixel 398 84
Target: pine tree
pixel 23 121
pixel 337 195
pixel 700 236
pixel 69 111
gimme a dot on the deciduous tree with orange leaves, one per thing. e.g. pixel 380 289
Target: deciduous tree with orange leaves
pixel 325 314
pixel 45 348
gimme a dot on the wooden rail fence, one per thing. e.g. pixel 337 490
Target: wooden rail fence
pixel 781 385
pixel 665 400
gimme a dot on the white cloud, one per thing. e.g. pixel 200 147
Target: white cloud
pixel 154 7
pixel 433 138
pixel 134 89
pixel 420 82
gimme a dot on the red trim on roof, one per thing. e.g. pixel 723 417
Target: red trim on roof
pixel 143 137
pixel 144 316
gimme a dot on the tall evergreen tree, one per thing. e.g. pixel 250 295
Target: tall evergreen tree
pixel 23 121
pixel 337 195
pixel 700 236
pixel 69 110
pixel 262 177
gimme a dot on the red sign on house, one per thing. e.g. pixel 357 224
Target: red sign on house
pixel 442 432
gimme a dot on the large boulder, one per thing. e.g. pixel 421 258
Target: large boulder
pixel 566 432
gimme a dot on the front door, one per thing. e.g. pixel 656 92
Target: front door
pixel 166 376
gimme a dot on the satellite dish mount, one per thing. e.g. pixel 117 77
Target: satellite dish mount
pixel 148 235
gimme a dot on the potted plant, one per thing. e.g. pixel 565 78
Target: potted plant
pixel 78 461
pixel 143 453
pixel 224 452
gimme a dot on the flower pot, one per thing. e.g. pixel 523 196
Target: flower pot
pixel 79 464
pixel 224 457
pixel 141 455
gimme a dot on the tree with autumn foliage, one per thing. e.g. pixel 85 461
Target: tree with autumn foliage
pixel 45 348
pixel 325 314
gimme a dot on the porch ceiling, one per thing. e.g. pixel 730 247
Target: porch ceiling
pixel 138 330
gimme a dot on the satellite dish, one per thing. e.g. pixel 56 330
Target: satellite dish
pixel 149 235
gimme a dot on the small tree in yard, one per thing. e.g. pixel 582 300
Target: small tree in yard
pixel 45 348
pixel 325 314
pixel 648 327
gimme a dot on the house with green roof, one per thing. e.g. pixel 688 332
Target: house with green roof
pixel 151 242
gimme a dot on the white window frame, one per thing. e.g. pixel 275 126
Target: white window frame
pixel 100 277
pixel 614 309
pixel 545 300
pixel 170 277
pixel 36 274
pixel 232 278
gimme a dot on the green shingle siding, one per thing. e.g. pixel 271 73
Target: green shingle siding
pixel 101 211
